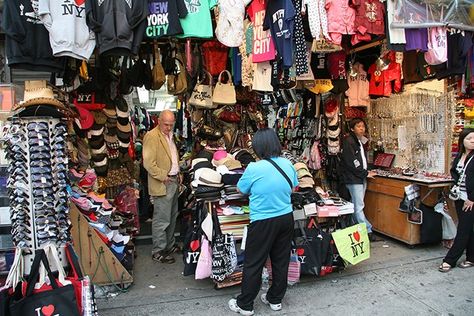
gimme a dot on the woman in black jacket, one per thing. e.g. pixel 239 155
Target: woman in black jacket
pixel 355 173
pixel 462 171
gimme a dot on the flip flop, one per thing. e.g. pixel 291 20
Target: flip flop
pixel 444 267
pixel 466 264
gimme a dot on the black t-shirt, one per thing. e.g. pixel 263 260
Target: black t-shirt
pixel 458 48
pixel 163 18
pixel 319 66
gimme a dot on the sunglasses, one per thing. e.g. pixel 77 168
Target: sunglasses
pixel 40 205
pixel 40 163
pixel 59 139
pixel 16 149
pixel 15 139
pixel 40 155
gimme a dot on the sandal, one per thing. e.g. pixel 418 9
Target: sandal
pixel 163 259
pixel 444 267
pixel 466 264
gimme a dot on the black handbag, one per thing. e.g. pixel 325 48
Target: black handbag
pixel 60 300
pixel 224 255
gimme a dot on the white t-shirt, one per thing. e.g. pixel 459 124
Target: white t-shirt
pixel 362 153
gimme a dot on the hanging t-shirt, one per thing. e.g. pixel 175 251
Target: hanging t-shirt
pixel 262 77
pixel 163 19
pixel 279 18
pixel 197 22
pixel 263 48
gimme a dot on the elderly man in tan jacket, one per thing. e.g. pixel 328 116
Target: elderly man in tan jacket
pixel 160 159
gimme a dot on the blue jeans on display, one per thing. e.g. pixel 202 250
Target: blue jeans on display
pixel 357 192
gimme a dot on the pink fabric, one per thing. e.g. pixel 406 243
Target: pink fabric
pixel 263 48
pixel 220 154
pixel 340 19
pixel 328 211
pixel 358 92
pixel 204 264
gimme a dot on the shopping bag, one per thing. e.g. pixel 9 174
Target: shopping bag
pixel 224 255
pixel 11 290
pixel 201 97
pixel 60 300
pixel 192 249
pixel 353 243
pixel 294 268
pixel 204 264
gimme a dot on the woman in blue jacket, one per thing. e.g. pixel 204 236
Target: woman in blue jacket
pixel 269 182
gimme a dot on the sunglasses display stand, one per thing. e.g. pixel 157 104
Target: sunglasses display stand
pixel 39 211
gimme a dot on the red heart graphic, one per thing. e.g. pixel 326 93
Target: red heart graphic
pixel 300 251
pixel 47 310
pixel 356 236
pixel 79 2
pixel 194 245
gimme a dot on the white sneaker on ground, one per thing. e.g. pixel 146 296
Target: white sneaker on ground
pixel 274 307
pixel 235 308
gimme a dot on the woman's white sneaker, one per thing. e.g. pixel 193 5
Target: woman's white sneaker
pixel 235 308
pixel 274 307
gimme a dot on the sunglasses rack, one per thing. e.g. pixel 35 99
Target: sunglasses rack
pixel 37 184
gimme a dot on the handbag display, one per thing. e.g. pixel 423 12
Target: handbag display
pixel 201 97
pixel 227 114
pixel 224 93
pixel 60 300
pixel 177 82
pixel 158 72
pixel 204 264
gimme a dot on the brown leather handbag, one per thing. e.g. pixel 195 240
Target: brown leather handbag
pixel 177 82
pixel 158 72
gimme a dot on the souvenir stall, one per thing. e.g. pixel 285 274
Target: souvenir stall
pixel 227 69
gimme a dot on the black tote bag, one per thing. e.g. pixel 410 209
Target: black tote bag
pixel 60 300
pixel 192 244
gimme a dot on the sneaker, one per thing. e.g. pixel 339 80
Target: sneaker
pixel 235 308
pixel 274 307
pixel 163 258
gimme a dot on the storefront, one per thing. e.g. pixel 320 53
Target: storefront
pixel 74 144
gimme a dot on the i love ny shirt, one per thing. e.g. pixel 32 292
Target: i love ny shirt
pixel 263 48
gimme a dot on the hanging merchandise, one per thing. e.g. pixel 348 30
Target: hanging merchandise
pixel 317 16
pixel 118 25
pixel 395 35
pixel 369 19
pixel 215 57
pixel 163 18
pixel 204 264
pixel 358 92
pixel 26 37
pixel 201 97
pixel 437 43
pixel 353 243
pixel 177 81
pixel 459 45
pixel 380 83
pixel 341 18
pixel 301 58
pixel 263 46
pixel 262 76
pixel 279 19
pixel 224 257
pixel 224 93
pixel 58 16
pixel 158 72
pixel 198 23
pixel 230 27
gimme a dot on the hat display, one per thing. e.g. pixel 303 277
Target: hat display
pixel 302 170
pixel 123 136
pixel 220 154
pixel 110 112
pixel 39 110
pixel 110 139
pixel 197 160
pixel 202 164
pixel 331 107
pixel 87 101
pixel 244 156
pixel 99 117
pixel 207 177
pixel 123 120
pixel 124 128
pixel 306 182
pixel 37 92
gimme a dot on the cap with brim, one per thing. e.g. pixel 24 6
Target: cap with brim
pixel 123 136
pixel 233 164
pixel 110 138
pixel 124 128
pixel 123 150
pixel 244 157
pixel 197 160
pixel 303 173
pixel 86 119
pixel 97 143
pixel 102 162
pixel 306 182
pixel 97 138
pixel 202 164
pixel 207 177
pixel 124 144
pixel 112 130
pixel 204 154
pixel 101 171
pixel 122 114
pixel 96 130
pixel 123 120
pixel 220 154
pixel 110 112
pixel 101 150
pixel 300 165
pixel 38 110
pixel 98 157
pixel 37 92
pixel 99 117
pixel 121 104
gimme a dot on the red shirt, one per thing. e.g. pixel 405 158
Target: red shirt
pixel 369 17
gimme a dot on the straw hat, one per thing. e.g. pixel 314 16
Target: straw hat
pixel 37 92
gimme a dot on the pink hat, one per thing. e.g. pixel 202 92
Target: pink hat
pixel 220 154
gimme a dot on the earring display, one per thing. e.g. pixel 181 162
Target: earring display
pixel 37 183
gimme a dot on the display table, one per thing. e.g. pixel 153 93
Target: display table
pixel 382 200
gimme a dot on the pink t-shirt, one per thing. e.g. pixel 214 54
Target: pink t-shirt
pixel 263 48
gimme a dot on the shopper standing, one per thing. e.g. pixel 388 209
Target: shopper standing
pixel 462 172
pixel 269 182
pixel 355 172
pixel 160 159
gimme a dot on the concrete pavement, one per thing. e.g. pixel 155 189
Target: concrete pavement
pixel 396 280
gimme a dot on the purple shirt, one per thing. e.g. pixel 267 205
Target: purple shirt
pixel 416 39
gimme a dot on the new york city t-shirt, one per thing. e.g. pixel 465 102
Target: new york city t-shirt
pixel 263 48
pixel 163 18
pixel 198 21
pixel 279 18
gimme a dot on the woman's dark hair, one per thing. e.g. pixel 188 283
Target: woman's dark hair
pixel 356 121
pixel 266 144
pixel 462 135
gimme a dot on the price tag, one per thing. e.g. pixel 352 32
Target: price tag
pixel 310 209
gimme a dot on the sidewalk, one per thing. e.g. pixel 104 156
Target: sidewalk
pixel 395 280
